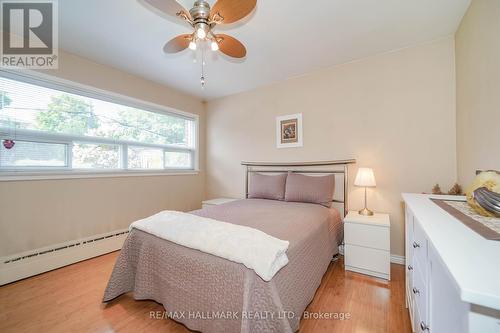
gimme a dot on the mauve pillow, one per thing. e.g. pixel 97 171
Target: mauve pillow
pixel 266 186
pixel 314 189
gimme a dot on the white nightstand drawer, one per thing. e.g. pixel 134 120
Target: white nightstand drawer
pixel 375 262
pixel 374 236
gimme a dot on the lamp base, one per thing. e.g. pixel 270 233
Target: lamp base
pixel 366 212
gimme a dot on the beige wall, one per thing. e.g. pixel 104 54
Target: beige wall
pixel 478 89
pixel 393 112
pixel 40 213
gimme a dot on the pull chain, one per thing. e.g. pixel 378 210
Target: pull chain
pixel 202 78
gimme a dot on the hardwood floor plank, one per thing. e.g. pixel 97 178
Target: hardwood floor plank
pixel 69 299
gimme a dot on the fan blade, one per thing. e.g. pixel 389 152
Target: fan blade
pixel 231 46
pixel 232 10
pixel 169 7
pixel 177 44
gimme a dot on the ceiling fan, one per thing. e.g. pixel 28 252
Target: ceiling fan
pixel 203 19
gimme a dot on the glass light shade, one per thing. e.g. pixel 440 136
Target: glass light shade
pixel 365 178
pixel 192 45
pixel 214 46
pixel 200 32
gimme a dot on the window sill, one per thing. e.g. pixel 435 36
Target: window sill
pixel 78 174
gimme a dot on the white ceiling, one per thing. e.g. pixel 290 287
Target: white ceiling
pixel 283 38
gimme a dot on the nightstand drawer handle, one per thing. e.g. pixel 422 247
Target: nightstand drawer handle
pixel 416 291
pixel 415 245
pixel 410 267
pixel 423 326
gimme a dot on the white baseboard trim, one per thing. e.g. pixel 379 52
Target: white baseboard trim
pixel 395 259
pixel 30 263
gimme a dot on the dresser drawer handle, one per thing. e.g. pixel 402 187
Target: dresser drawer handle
pixel 415 245
pixel 410 267
pixel 416 291
pixel 423 326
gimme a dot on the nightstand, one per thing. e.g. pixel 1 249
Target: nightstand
pixel 368 244
pixel 215 202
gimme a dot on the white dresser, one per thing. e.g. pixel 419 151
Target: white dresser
pixel 452 273
pixel 367 244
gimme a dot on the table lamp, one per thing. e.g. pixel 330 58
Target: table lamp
pixel 365 178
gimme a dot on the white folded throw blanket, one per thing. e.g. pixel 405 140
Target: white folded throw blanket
pixel 255 249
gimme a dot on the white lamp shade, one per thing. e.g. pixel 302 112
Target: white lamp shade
pixel 365 178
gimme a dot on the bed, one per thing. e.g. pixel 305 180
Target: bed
pixel 211 294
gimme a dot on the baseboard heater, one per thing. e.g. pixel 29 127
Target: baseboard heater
pixel 30 263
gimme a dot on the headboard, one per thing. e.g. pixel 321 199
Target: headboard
pixel 339 168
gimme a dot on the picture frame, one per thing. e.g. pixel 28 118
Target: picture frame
pixel 289 131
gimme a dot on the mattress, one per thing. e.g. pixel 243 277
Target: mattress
pixel 212 294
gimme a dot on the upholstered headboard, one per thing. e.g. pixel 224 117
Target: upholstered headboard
pixel 339 168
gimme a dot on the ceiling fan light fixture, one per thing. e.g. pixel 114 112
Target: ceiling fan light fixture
pixel 200 33
pixel 201 30
pixel 214 46
pixel 203 18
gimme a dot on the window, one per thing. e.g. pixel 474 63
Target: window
pixel 30 154
pixel 177 159
pixel 95 156
pixel 45 125
pixel 145 158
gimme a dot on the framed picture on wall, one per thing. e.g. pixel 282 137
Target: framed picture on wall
pixel 289 131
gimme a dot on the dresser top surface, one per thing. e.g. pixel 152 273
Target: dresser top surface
pixel 473 261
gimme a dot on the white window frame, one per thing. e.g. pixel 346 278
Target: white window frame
pixel 41 172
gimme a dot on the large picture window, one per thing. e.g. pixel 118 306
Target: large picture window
pixel 47 126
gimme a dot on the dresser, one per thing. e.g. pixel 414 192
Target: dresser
pixel 367 244
pixel 452 273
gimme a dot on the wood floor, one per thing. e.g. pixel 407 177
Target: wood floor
pixel 69 300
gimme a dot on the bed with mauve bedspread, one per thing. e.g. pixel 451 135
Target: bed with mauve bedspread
pixel 212 294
